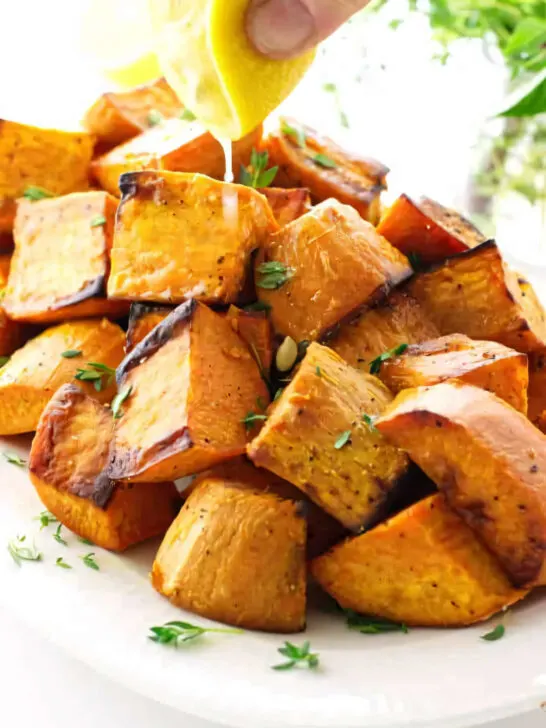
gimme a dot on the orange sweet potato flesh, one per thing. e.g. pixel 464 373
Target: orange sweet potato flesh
pixel 8 208
pixel 424 567
pixel 427 229
pixel 490 462
pixel 476 294
pixel 38 369
pixel 236 555
pixel 173 145
pixel 158 252
pixel 116 117
pixel 300 441
pixel 323 531
pixel 339 264
pixel 287 205
pixel 537 389
pixel 61 260
pixel 484 364
pixel 255 330
pixel 351 179
pixel 193 382
pixel 397 320
pixel 143 317
pixel 69 453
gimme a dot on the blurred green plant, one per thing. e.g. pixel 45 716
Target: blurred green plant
pixel 517 28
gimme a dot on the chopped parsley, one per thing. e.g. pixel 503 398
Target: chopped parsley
pixel 98 221
pixel 343 440
pixel 324 161
pixel 177 633
pixel 273 275
pixel 295 132
pixel 36 193
pixel 118 401
pixel 297 656
pixel 250 419
pixel 375 364
pixel 256 174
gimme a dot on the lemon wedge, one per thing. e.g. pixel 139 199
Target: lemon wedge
pixel 207 58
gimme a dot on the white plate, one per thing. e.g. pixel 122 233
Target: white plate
pixel 448 678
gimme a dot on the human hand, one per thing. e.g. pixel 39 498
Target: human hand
pixel 286 28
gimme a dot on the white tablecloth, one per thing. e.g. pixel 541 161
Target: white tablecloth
pixel 42 686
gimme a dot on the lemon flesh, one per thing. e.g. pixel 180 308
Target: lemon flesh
pixel 207 58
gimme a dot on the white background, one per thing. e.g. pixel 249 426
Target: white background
pixel 420 118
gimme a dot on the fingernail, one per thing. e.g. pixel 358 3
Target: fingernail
pixel 281 28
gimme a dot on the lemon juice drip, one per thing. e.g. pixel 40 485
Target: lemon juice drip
pixel 228 156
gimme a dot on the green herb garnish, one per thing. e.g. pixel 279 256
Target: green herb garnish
pixel 370 422
pixel 3 361
pixel 176 633
pixel 63 565
pixel 495 634
pixel 318 372
pixel 36 193
pixel 331 88
pixel 278 394
pixel 342 440
pixel 372 625
pixel 118 401
pixel 86 541
pixel 296 132
pixel 45 519
pixel 415 262
pixel 14 459
pixel 188 115
pixel 256 174
pixel 96 373
pixel 71 353
pixel 89 561
pixel 98 221
pixel 375 364
pixel 57 535
pixel 324 161
pixel 20 552
pixel 273 275
pixel 154 117
pixel 250 419
pixel 297 656
pixel 257 306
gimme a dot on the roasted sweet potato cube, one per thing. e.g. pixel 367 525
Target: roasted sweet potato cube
pixel 192 382
pixel 319 436
pixel 427 229
pixel 287 205
pixel 158 252
pixel 116 117
pixel 143 317
pixel 537 388
pixel 69 453
pixel 307 159
pixel 397 320
pixel 323 531
pixel 35 372
pixel 61 260
pixel 490 462
pixel 174 145
pixel 423 567
pixel 324 267
pixel 476 294
pixel 484 364
pixel 236 555
pixel 255 330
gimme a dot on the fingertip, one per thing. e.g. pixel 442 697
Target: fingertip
pixel 280 28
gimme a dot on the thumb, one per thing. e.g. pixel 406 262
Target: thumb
pixel 285 28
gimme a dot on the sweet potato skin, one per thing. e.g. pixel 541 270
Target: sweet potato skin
pixel 537 388
pixel 299 441
pixel 35 372
pixel 143 317
pixel 429 230
pixel 397 320
pixel 488 460
pixel 424 567
pixel 287 205
pixel 61 259
pixel 8 209
pixel 116 117
pixel 353 180
pixel 173 145
pixel 484 364
pixel 216 384
pixel 12 334
pixel 69 452
pixel 476 294
pixel 236 555
pixel 338 262
pixel 158 252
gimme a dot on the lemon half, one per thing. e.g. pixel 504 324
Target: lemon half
pixel 207 58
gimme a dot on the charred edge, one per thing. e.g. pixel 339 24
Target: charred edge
pixel 93 289
pixel 157 338
pixel 128 185
pixel 142 185
pixel 301 509
pixel 103 490
pixel 432 206
pixel 138 311
pixel 124 465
